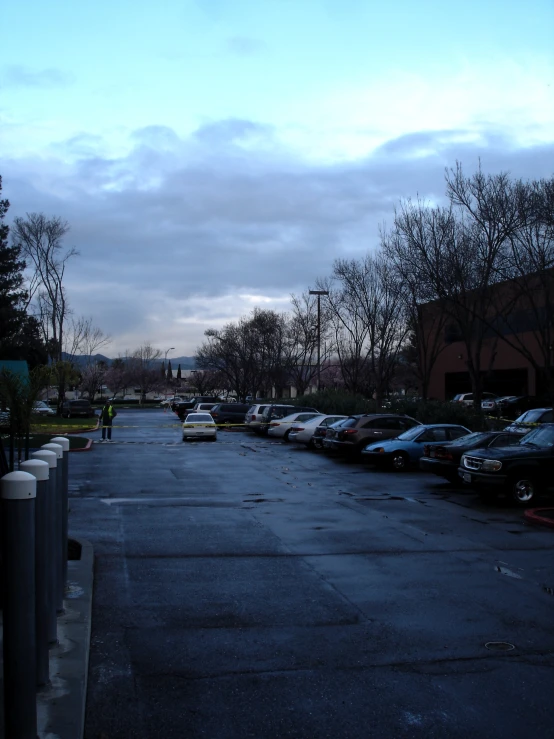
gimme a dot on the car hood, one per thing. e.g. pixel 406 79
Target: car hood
pixel 509 452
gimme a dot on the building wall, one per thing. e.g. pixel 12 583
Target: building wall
pixel 505 370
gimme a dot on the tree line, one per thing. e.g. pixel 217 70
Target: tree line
pixel 433 279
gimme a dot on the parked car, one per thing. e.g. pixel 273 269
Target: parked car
pixel 467 398
pixel 306 432
pixel 230 412
pixel 171 399
pixel 253 417
pixel 203 407
pixel 444 459
pixel 356 432
pixel 280 410
pixel 75 408
pixel 530 420
pixel 280 429
pixel 199 425
pixel 407 448
pixel 182 407
pixel 43 409
pixel 522 471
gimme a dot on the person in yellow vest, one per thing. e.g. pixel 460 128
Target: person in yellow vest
pixel 107 415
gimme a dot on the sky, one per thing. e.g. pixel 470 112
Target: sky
pixel 212 156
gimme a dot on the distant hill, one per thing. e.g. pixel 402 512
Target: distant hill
pixel 83 359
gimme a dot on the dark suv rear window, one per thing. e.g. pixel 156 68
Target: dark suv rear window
pixel 350 423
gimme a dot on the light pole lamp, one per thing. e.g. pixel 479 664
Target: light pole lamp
pixel 319 293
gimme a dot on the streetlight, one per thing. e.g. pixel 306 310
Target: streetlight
pixel 165 359
pixel 319 293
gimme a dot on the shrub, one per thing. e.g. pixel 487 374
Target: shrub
pixel 425 411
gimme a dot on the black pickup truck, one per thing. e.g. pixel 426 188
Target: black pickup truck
pixel 522 471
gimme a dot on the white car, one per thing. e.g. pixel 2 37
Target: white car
pixel 199 426
pixel 303 433
pixel 253 418
pixel 43 408
pixel 467 398
pixel 281 427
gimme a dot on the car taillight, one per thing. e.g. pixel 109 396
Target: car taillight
pixel 253 417
pixel 444 455
pixel 349 432
pixel 296 430
pixel 274 423
pixel 426 450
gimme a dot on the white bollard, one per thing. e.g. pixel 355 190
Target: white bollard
pixel 63 441
pixel 18 491
pixel 40 470
pixel 51 459
pixel 59 590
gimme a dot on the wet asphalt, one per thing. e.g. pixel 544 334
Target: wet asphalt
pixel 247 588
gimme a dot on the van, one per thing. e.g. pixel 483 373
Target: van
pixel 230 412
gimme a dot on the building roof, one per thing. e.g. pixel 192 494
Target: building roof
pixel 17 366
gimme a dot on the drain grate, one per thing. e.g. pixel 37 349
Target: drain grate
pixel 499 646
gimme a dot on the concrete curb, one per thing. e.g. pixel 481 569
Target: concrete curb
pixel 61 706
pixel 533 515
pixel 86 448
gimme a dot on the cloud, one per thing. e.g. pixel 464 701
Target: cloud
pixel 184 232
pixel 17 75
pixel 244 46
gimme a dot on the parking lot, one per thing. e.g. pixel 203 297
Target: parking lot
pixel 251 588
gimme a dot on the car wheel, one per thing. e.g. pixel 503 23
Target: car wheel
pixel 311 444
pixel 400 461
pixel 286 436
pixel 185 438
pixel 523 489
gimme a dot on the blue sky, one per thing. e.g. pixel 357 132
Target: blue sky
pixel 214 155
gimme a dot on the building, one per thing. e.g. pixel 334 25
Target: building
pixel 516 354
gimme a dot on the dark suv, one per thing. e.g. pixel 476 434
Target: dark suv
pixel 522 471
pixel 74 408
pixel 356 432
pixel 230 412
pixel 279 410
pixel 182 407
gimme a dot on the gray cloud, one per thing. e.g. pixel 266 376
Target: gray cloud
pixel 180 227
pixel 17 75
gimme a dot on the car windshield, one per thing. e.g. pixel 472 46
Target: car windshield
pixel 199 418
pixel 475 438
pixel 411 434
pixel 540 437
pixel 529 417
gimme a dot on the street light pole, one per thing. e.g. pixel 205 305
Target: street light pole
pixel 319 293
pixel 165 359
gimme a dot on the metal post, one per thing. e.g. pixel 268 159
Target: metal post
pixel 51 459
pixel 63 441
pixel 59 590
pixel 319 293
pixel 40 470
pixel 18 491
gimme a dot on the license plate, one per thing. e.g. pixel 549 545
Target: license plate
pixel 466 477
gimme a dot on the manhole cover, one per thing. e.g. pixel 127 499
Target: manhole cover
pixel 499 646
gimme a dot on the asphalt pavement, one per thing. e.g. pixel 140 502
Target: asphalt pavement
pixel 251 588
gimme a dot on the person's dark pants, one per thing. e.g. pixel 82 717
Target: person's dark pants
pixel 107 428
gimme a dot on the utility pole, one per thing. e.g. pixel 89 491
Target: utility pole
pixel 319 293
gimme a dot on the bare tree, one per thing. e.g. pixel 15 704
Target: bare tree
pixel 84 339
pixel 143 371
pixel 92 378
pixel 40 239
pixel 302 345
pixel 369 323
pixel 424 312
